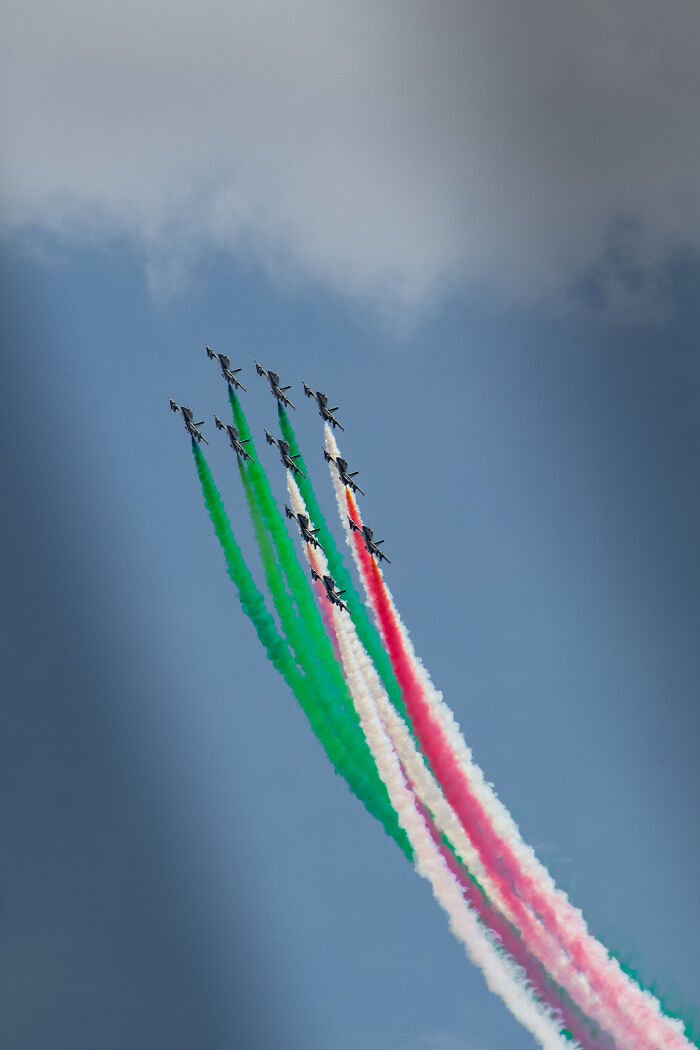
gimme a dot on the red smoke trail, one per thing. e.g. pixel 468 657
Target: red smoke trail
pixel 513 944
pixel 636 1024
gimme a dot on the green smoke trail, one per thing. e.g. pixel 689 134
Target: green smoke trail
pixel 373 795
pixel 324 698
pixel 298 579
pixel 365 628
pixel 251 599
pixel 297 637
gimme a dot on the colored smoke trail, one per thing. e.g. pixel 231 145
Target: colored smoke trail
pixel 251 599
pixel 436 800
pixel 299 582
pixel 422 784
pixel 583 973
pixel 365 628
pixel 501 975
pixel 298 637
pixel 345 747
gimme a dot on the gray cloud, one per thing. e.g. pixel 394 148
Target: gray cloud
pixel 390 150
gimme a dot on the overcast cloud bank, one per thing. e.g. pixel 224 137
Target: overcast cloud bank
pixel 392 151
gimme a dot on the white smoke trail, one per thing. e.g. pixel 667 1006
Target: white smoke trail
pixel 640 1019
pixel 423 781
pixel 501 974
pixel 376 714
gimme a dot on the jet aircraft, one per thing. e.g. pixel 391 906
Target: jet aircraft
pixel 277 390
pixel 324 411
pixel 234 437
pixel 331 593
pixel 227 372
pixel 302 521
pixel 190 425
pixel 345 476
pixel 371 545
pixel 283 447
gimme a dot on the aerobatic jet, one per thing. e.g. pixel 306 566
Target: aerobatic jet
pixel 342 467
pixel 237 442
pixel 227 372
pixel 190 425
pixel 324 411
pixel 283 447
pixel 371 545
pixel 331 593
pixel 302 521
pixel 277 390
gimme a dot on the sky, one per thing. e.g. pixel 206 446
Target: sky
pixel 480 235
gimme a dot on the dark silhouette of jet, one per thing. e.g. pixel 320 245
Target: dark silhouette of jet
pixel 324 411
pixel 283 447
pixel 190 425
pixel 345 476
pixel 371 545
pixel 227 372
pixel 302 521
pixel 277 390
pixel 234 437
pixel 331 593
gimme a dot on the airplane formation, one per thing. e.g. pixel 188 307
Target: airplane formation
pixel 238 445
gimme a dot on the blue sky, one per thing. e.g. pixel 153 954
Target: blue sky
pixel 182 868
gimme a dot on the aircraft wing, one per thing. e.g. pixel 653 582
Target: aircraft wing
pixel 210 353
pixel 288 402
pixel 327 456
pixel 288 512
pixel 175 408
pixel 354 527
pixel 308 391
pixel 315 575
pixel 259 369
pixel 269 438
pixel 219 424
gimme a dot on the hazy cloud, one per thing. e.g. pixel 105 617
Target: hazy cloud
pixel 390 150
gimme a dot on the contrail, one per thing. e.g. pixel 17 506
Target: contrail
pixel 428 791
pixel 636 1021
